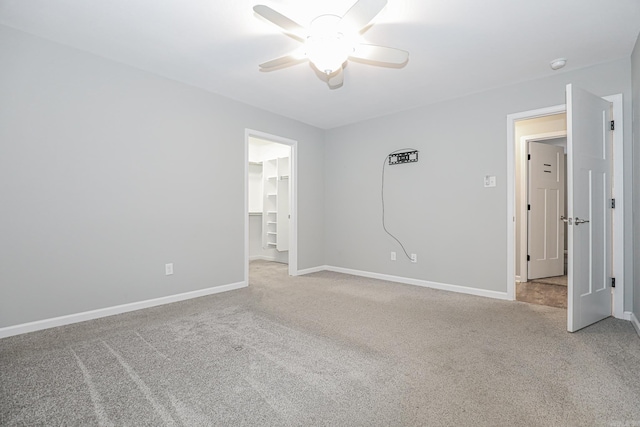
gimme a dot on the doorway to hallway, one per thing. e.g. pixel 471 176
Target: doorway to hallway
pixel 589 117
pixel 541 273
pixel 541 256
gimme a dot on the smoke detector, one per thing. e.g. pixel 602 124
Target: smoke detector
pixel 556 64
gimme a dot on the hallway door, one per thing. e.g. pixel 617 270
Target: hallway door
pixel 545 236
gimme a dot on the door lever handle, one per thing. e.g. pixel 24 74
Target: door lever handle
pixel 565 219
pixel 581 221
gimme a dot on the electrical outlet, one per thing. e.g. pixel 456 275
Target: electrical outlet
pixel 414 258
pixel 168 269
pixel 393 256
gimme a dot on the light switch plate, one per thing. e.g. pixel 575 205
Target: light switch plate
pixel 489 180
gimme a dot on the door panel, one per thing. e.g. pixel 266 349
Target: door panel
pixel 545 234
pixel 589 165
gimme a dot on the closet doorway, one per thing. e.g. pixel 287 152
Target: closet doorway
pixel 270 202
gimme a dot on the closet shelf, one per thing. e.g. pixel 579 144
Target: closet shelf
pixel 275 190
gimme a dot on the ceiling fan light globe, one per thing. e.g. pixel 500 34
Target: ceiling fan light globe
pixel 327 47
pixel 327 53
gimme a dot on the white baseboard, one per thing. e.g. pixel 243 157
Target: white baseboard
pixel 110 311
pixel 634 320
pixel 423 283
pixel 312 270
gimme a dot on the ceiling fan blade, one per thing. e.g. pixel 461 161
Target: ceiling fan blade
pixel 361 13
pixel 387 55
pixel 336 79
pixel 280 20
pixel 282 62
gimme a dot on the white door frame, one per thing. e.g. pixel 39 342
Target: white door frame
pixel 524 190
pixel 617 193
pixel 293 198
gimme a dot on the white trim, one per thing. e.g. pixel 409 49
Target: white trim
pixel 293 225
pixel 246 206
pixel 423 283
pixel 313 270
pixel 110 311
pixel 293 181
pixel 634 320
pixel 618 212
pixel 618 215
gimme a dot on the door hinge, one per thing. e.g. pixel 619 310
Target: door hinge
pixel 613 282
pixel 528 207
pixel 613 125
pixel 613 203
pixel 528 258
pixel 528 156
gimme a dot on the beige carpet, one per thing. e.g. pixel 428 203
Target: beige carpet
pixel 325 349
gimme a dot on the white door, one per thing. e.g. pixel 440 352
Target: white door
pixel 545 234
pixel 589 167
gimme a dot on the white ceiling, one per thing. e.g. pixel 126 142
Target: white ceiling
pixel 456 46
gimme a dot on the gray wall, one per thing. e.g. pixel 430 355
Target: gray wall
pixel 108 172
pixel 438 207
pixel 635 81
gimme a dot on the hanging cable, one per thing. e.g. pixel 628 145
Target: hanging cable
pixel 384 164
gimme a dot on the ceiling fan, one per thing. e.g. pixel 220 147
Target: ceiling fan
pixel 331 40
